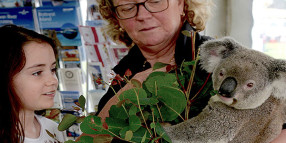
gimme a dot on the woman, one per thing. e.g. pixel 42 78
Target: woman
pixel 153 29
pixel 29 83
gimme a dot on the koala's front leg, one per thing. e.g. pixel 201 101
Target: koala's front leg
pixel 210 126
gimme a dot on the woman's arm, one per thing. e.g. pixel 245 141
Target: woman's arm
pixel 281 138
pixel 139 76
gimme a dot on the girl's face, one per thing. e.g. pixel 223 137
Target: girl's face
pixel 150 29
pixel 36 83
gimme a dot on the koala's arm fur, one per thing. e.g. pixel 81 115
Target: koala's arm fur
pixel 218 123
pixel 210 126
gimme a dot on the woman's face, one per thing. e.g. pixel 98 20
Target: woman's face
pixel 150 29
pixel 36 83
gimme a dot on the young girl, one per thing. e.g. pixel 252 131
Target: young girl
pixel 28 83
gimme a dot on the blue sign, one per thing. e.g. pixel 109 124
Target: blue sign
pixel 21 16
pixel 64 20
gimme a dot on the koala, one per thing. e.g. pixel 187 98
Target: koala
pixel 250 104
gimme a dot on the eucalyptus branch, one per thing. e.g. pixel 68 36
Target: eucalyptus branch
pixel 194 57
pixel 181 67
pixel 201 87
pixel 176 72
pixel 191 83
pixel 160 112
pixel 156 94
pixel 154 123
pixel 142 112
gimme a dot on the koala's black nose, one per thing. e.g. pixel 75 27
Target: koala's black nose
pixel 227 87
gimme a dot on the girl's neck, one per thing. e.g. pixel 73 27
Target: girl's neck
pixel 32 127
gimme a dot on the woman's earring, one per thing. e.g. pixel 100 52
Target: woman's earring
pixel 183 15
pixel 121 29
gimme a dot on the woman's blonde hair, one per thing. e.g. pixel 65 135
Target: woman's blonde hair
pixel 196 12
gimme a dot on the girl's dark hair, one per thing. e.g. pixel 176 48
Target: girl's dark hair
pixel 12 61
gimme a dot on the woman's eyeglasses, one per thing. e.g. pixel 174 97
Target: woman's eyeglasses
pixel 130 10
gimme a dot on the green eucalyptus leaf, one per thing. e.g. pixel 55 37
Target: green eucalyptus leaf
pixel 86 139
pixel 174 102
pixel 133 110
pixel 144 137
pixel 115 125
pixel 182 79
pixel 117 112
pixel 80 119
pixel 213 92
pixel 207 88
pixel 161 132
pixel 152 125
pixel 91 125
pixel 102 139
pixel 159 80
pixel 188 69
pixel 140 134
pixel 156 73
pixel 131 95
pixel 81 102
pixel 156 113
pixel 155 139
pixel 123 131
pixel 67 122
pixel 148 101
pixel 128 135
pixel 159 65
pixel 187 33
pixel 189 63
pixel 134 123
pixel 146 115
pixel 136 83
pixel 49 133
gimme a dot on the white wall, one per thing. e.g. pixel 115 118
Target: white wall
pixel 232 18
pixel 216 26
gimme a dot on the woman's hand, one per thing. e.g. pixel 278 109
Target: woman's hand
pixel 281 138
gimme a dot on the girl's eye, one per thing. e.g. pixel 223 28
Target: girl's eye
pixel 54 70
pixel 37 73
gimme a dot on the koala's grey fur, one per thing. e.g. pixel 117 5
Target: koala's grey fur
pixel 251 105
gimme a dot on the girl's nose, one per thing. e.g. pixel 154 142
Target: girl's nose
pixel 52 80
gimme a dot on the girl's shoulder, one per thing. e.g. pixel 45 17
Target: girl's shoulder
pixel 48 125
pixel 45 121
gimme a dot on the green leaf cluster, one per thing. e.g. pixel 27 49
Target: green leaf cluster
pixel 161 98
pixel 137 116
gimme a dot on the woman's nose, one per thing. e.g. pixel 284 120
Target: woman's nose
pixel 143 13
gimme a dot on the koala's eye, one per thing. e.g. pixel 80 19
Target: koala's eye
pixel 220 73
pixel 250 85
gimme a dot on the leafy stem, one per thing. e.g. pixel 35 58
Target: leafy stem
pixel 190 85
pixel 142 112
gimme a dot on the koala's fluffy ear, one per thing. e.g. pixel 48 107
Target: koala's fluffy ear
pixel 278 75
pixel 213 51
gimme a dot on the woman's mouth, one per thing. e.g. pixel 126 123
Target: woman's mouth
pixel 148 29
